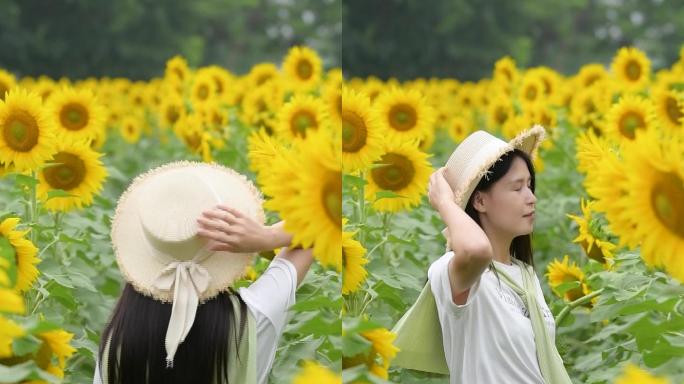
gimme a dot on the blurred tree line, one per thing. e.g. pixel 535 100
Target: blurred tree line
pixel 134 38
pixel 464 38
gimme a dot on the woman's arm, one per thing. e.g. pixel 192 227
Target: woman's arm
pixel 472 249
pixel 229 230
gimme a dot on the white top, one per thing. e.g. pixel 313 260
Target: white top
pixel 268 298
pixel 489 339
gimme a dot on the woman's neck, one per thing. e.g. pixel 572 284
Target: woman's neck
pixel 501 246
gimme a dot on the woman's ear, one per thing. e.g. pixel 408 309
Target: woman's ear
pixel 478 202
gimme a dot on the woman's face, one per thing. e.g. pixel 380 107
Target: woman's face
pixel 509 200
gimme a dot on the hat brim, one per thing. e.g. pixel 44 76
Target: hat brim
pixel 136 259
pixel 527 141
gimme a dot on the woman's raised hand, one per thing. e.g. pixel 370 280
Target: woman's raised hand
pixel 439 191
pixel 230 230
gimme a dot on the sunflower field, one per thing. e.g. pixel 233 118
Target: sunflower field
pixel 609 239
pixel 68 149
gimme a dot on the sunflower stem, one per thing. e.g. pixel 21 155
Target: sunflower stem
pixel 566 311
pixel 34 210
pixel 362 210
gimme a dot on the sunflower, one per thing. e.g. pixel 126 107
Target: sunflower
pixel 670 109
pixel 301 115
pixel 131 128
pixel 302 67
pixel 262 150
pixel 27 134
pixel 353 261
pixel 404 114
pixel 635 375
pixel 11 301
pixel 76 113
pixel 544 116
pixel 459 128
pixel 505 71
pixel 610 196
pixel 590 150
pixel 587 106
pixel 7 82
pixel 203 88
pixel 382 346
pixel 314 373
pixel 223 80
pixel 629 114
pixel 305 186
pixel 8 332
pixel 403 171
pixel 593 246
pixel 24 272
pixel 655 185
pixel 45 87
pixel 632 68
pixel 590 74
pixel 260 104
pixel 362 135
pixel 499 111
pixel 373 87
pixel 564 272
pixel 550 79
pixel 262 73
pixel 77 170
pixel 190 130
pixel 171 110
pixel 55 343
pixel 531 90
pixel 177 70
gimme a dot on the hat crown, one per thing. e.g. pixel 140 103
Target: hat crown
pixel 168 207
pixel 466 156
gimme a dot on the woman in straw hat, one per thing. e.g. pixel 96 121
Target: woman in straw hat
pixel 483 331
pixel 183 233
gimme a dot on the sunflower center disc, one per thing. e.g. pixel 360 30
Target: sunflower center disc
pixel 397 174
pixel 69 172
pixel 203 92
pixel 302 121
pixel 667 200
pixel 73 116
pixel 630 123
pixel 172 114
pixel 402 117
pixel 633 71
pixel 674 113
pixel 354 132
pixel 21 131
pixel 304 69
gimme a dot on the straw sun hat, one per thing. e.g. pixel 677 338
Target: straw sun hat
pixel 154 236
pixel 473 157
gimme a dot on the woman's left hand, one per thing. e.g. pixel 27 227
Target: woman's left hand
pixel 230 230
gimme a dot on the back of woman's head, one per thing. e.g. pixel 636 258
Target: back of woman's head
pixel 138 327
pixel 521 246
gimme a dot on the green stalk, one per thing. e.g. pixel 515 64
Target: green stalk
pixel 566 311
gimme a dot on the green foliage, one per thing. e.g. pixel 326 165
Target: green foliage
pixel 134 39
pixel 463 38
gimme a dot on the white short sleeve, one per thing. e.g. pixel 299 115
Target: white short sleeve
pixel 96 378
pixel 440 283
pixel 269 298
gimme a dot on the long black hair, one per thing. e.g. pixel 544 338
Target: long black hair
pixel 138 326
pixel 521 246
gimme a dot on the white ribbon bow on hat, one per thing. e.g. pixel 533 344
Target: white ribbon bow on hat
pixel 188 280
